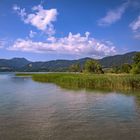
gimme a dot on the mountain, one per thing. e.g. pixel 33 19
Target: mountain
pixel 63 65
pixel 22 64
pixel 117 60
pixel 13 64
pixel 55 65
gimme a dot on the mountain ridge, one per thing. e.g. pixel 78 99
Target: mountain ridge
pixel 22 64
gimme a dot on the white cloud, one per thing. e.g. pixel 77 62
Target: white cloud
pixel 73 44
pixel 40 18
pixel 135 27
pixel 114 15
pixel 2 43
pixel 32 34
pixel 20 12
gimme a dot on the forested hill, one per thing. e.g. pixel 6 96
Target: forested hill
pixel 13 64
pixel 117 60
pixel 22 64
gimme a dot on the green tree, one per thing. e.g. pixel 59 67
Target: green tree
pixel 136 58
pixel 75 68
pixel 116 69
pixel 125 68
pixel 136 69
pixel 93 66
pixel 136 64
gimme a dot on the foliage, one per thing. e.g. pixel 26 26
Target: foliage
pixel 75 68
pixel 137 58
pixel 93 66
pixel 125 68
pixel 136 65
pixel 136 68
pixel 116 69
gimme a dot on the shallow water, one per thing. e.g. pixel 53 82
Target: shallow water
pixel 39 111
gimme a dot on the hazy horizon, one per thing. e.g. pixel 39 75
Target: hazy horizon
pixel 20 57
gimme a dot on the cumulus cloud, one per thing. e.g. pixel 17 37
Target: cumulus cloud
pixel 135 26
pixel 40 18
pixel 2 43
pixel 113 15
pixel 73 44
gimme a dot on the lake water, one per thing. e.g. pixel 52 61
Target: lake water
pixel 39 111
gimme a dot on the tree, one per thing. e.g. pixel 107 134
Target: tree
pixel 125 68
pixel 116 69
pixel 136 64
pixel 136 69
pixel 136 58
pixel 75 68
pixel 93 66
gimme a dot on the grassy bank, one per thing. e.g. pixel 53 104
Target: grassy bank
pixel 90 81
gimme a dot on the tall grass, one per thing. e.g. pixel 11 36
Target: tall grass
pixel 90 81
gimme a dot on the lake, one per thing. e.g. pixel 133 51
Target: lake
pixel 40 111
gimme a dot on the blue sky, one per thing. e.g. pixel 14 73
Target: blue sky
pixel 68 29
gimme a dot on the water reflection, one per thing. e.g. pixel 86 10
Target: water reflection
pixel 37 111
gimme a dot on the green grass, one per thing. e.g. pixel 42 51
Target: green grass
pixel 90 81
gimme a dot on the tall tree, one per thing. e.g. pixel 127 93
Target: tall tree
pixel 93 66
pixel 75 68
pixel 125 68
pixel 136 65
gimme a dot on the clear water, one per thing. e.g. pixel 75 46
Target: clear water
pixel 35 111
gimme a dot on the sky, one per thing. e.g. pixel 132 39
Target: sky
pixel 68 29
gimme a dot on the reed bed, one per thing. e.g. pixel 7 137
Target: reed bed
pixel 90 81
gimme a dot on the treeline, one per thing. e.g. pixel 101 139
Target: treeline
pixel 93 66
